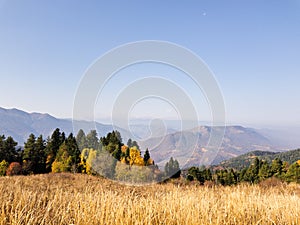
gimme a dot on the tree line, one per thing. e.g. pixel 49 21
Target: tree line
pixel 107 156
pixel 258 171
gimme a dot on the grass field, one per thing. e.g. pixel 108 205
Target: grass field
pixel 81 199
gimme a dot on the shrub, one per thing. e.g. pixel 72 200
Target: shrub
pixel 14 169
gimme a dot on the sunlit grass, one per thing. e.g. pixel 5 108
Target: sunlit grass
pixel 82 199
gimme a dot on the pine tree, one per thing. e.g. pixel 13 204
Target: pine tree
pixel 34 157
pixel 8 149
pixel 146 157
pixel 81 140
pixel 293 173
pixel 92 140
pixel 276 167
pixel 56 140
pixel 129 143
pixel 264 171
pixel 40 156
pixel 172 169
pixel 29 155
pixel 135 144
pixel 73 152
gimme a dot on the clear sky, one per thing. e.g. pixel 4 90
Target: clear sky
pixel 252 47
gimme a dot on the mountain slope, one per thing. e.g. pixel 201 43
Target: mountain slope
pixel 20 124
pixel 189 147
pixel 245 160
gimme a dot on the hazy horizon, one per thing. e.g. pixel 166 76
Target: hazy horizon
pixel 252 49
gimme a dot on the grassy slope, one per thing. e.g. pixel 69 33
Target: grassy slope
pixel 81 199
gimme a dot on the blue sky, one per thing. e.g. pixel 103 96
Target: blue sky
pixel 252 47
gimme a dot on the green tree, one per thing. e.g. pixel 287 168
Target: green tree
pixel 68 156
pixel 92 140
pixel 117 153
pixel 251 174
pixel 53 145
pixel 276 167
pixel 146 157
pixel 194 173
pixel 172 169
pixel 293 173
pixel 81 140
pixel 40 155
pixel 129 143
pixel 113 137
pixel 73 152
pixel 29 155
pixel 62 161
pixel 264 171
pixel 8 150
pixel 135 144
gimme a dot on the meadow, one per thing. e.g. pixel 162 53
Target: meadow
pixel 65 199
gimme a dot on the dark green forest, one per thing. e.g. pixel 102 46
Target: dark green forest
pixel 247 159
pixel 108 156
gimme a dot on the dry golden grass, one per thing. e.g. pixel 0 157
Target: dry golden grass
pixel 81 199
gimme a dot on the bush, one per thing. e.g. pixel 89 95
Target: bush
pixel 14 169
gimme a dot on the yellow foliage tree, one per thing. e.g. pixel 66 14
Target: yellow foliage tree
pixel 87 157
pixel 135 157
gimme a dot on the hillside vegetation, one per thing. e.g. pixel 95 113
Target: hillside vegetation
pixel 65 199
pixel 247 159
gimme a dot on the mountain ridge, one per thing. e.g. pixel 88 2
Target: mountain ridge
pixel 189 146
pixel 19 124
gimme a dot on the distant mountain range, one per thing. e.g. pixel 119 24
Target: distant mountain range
pixel 189 147
pixel 20 124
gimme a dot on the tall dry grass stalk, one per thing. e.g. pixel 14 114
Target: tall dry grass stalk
pixel 80 199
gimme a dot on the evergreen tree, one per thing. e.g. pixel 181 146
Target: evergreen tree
pixel 92 140
pixel 113 138
pixel 127 155
pixel 53 145
pixel 276 167
pixel 34 157
pixel 293 173
pixel 251 174
pixel 40 158
pixel 29 155
pixel 117 153
pixel 264 171
pixel 135 144
pixel 129 143
pixel 68 156
pixel 73 152
pixel 146 157
pixel 8 150
pixel 81 140
pixel 172 169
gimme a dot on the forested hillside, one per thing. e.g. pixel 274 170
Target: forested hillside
pixel 247 159
pixel 108 157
